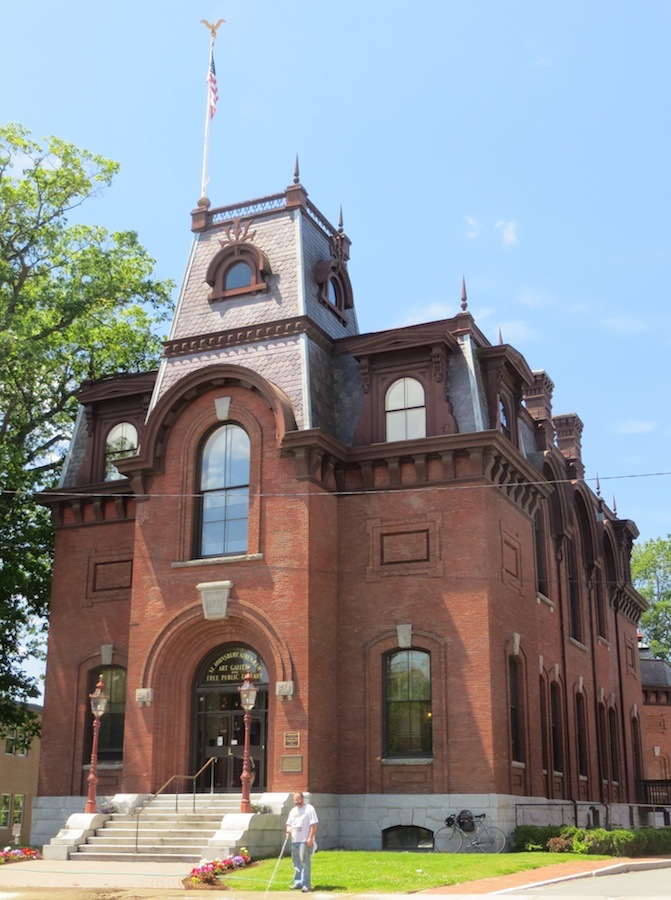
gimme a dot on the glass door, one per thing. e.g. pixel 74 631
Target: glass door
pixel 218 719
pixel 221 734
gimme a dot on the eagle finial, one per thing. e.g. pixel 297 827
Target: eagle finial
pixel 213 28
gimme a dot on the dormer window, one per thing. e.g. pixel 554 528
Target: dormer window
pixel 335 289
pixel 334 294
pixel 121 442
pixel 239 275
pixel 405 410
pixel 239 268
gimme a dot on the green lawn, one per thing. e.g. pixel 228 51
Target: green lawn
pixel 359 871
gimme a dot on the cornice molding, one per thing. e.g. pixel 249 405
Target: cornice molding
pixel 252 334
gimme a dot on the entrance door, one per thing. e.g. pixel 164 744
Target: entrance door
pixel 218 730
pixel 221 734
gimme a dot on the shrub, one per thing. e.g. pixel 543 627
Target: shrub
pixel 560 844
pixel 597 841
pixel 533 837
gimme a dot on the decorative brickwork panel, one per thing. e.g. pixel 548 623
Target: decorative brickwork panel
pixel 407 548
pixel 511 561
pixel 109 578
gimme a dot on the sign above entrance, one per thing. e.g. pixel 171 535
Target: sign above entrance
pixel 232 665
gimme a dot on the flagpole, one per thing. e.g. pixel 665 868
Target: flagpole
pixel 210 109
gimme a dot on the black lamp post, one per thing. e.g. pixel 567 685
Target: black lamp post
pixel 247 700
pixel 99 701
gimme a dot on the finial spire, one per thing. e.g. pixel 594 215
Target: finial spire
pixel 598 486
pixel 614 505
pixel 340 220
pixel 500 337
pixel 297 172
pixel 464 298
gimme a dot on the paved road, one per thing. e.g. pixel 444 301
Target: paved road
pixel 634 885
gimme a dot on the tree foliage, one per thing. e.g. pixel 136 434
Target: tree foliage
pixel 76 302
pixel 651 574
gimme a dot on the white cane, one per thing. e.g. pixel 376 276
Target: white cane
pixel 277 865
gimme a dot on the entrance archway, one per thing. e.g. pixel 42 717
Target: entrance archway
pixel 218 728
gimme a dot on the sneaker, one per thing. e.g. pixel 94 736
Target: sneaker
pixel 305 889
pixel 294 887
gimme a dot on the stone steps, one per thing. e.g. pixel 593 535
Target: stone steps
pixel 163 833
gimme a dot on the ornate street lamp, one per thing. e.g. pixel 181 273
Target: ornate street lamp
pixel 99 701
pixel 247 700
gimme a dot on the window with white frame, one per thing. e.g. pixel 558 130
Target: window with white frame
pixel 405 410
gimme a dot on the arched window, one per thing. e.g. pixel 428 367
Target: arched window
pixel 637 748
pixel 121 441
pixel 504 419
pixel 545 755
pixel 575 606
pixel 223 498
pixel 239 268
pixel 238 275
pixel 110 737
pixel 405 410
pixel 602 738
pixel 614 745
pixel 517 747
pixel 539 546
pixel 581 734
pixel 407 693
pixel 556 728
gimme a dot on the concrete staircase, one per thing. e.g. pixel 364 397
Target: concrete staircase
pixel 164 833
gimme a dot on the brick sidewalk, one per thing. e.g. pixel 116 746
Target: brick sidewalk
pixel 558 872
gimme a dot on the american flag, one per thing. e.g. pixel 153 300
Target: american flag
pixel 212 93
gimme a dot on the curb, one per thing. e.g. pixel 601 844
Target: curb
pixel 616 869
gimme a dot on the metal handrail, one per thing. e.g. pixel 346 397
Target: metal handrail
pixel 173 778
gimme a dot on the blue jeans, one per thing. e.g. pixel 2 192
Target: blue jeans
pixel 301 857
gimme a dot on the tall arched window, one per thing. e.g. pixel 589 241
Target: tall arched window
pixel 636 746
pixel 121 441
pixel 110 737
pixel 581 734
pixel 407 693
pixel 405 410
pixel 516 711
pixel 223 493
pixel 575 606
pixel 614 745
pixel 539 547
pixel 556 728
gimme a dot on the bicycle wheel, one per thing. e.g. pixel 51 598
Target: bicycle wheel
pixel 491 839
pixel 447 840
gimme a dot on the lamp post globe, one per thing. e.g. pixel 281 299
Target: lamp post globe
pixel 99 701
pixel 248 694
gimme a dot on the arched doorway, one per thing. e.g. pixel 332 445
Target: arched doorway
pixel 218 727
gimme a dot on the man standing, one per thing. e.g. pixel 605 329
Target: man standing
pixel 301 827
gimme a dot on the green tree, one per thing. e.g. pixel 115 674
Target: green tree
pixel 651 574
pixel 76 302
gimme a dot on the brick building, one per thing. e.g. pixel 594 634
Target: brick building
pixel 19 763
pixel 656 724
pixel 391 530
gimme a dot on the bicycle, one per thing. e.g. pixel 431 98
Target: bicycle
pixel 470 830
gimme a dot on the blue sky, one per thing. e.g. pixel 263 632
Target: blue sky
pixel 524 145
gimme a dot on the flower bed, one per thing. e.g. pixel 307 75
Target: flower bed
pixel 18 854
pixel 209 871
